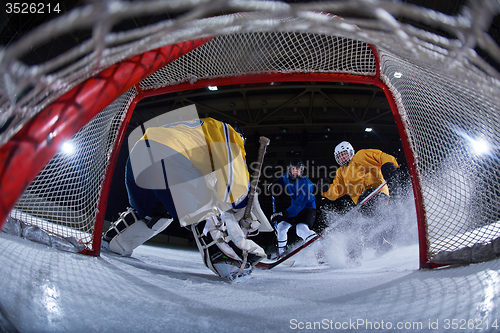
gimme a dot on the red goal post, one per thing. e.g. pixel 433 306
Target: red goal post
pixel 41 138
pixel 429 104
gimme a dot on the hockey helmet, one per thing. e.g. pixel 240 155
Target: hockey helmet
pixel 297 163
pixel 343 153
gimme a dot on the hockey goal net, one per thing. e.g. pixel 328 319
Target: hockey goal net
pixel 437 71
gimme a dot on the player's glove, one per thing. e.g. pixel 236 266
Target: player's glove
pixel 388 170
pixel 391 175
pixel 279 216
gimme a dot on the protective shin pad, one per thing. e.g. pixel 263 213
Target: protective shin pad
pixel 136 234
pixel 215 259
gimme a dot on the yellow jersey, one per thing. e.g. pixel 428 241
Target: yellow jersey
pixel 362 173
pixel 212 147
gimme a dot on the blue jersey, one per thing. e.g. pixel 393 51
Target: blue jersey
pixel 300 192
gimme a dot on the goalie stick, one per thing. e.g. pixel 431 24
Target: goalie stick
pixel 246 220
pixel 270 265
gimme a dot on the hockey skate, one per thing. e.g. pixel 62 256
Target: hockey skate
pixel 279 250
pixel 290 252
pixel 128 232
pixel 284 250
pixel 229 268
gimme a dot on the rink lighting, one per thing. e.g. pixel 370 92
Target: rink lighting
pixel 68 148
pixel 481 147
pixel 213 88
pixel 368 129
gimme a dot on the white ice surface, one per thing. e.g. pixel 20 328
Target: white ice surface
pixel 165 289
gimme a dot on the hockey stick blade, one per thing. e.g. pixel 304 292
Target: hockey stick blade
pixel 270 265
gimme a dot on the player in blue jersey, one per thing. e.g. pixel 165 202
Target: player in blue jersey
pixel 301 212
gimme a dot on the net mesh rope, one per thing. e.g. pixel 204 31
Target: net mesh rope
pixel 63 199
pixel 445 95
pixel 459 186
pixel 247 54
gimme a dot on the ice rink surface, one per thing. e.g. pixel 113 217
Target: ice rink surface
pixel 168 289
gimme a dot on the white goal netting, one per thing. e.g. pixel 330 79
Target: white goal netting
pixel 438 70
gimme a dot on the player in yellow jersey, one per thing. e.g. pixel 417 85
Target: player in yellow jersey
pixel 361 173
pixel 193 171
pixel 358 176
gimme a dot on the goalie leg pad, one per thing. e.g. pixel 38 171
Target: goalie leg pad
pixel 259 220
pixel 202 244
pixel 217 233
pixel 225 258
pixel 125 242
pixel 255 252
pixel 216 260
pixel 258 215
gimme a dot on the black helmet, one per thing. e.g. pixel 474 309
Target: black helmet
pixel 237 128
pixel 298 164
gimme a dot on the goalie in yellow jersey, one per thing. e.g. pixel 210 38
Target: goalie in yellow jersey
pixel 193 171
pixel 358 176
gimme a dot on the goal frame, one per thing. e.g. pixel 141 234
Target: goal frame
pixel 40 138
